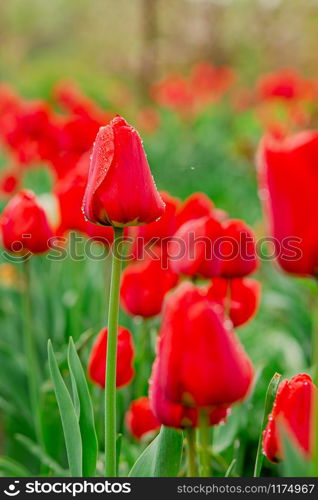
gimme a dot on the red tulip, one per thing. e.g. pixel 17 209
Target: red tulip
pixel 209 82
pixel 70 191
pixel 125 354
pixel 177 415
pixel 240 296
pixel 144 286
pixel 191 251
pixel 9 183
pixel 140 419
pixel 284 84
pixel 158 232
pixel 200 362
pixel 174 92
pixel 24 225
pixel 197 205
pixel 120 189
pixel 236 249
pixel 293 410
pixel 289 184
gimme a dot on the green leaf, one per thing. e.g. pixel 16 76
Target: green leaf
pixel 269 401
pixel 11 468
pixel 86 412
pixel 71 428
pixel 162 457
pixel 42 455
pixel 294 463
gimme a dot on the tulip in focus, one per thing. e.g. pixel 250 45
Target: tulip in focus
pixel 24 225
pixel 125 355
pixel 140 419
pixel 292 410
pixel 120 190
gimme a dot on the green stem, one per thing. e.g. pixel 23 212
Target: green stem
pixel 204 444
pixel 111 358
pixel 33 370
pixel 191 454
pixel 269 400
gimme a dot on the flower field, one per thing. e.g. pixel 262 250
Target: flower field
pixel 158 276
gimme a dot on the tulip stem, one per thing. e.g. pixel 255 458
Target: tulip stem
pixel 191 454
pixel 111 358
pixel 204 444
pixel 33 370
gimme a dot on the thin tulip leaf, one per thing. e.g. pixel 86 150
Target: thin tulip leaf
pixel 71 428
pixel 86 412
pixel 38 452
pixel 269 401
pixel 11 468
pixel 162 457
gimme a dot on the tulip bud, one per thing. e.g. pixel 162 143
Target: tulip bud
pixel 292 410
pixel 24 225
pixel 237 249
pixel 177 415
pixel 191 251
pixel 291 211
pixel 120 190
pixel 125 354
pixel 144 285
pixel 197 205
pixel 239 296
pixel 201 363
pixel 140 419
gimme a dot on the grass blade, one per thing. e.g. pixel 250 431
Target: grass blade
pixel 269 400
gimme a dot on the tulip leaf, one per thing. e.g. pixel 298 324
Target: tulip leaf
pixel 86 412
pixel 269 401
pixel 162 457
pixel 71 428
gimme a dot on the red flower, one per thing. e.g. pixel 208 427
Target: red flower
pixel 140 419
pixel 236 249
pixel 174 92
pixel 200 362
pixel 9 182
pixel 240 296
pixel 289 185
pixel 24 225
pixel 292 409
pixel 144 286
pixel 209 82
pixel 70 191
pixel 174 414
pixel 158 232
pixel 120 189
pixel 284 84
pixel 192 249
pixel 125 354
pixel 195 206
